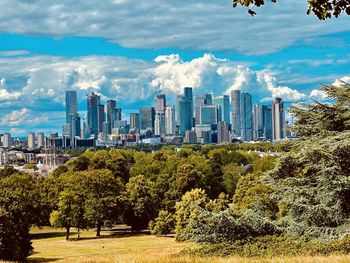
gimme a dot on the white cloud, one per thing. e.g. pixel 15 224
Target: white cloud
pixel 5 94
pixel 184 24
pixel 341 81
pixel 318 95
pixel 15 117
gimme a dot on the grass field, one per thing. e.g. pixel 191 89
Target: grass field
pixel 50 246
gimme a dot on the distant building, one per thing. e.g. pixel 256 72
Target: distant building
pixel 267 122
pixel 93 101
pixel 75 126
pixel 147 116
pixel 159 121
pixel 170 123
pixel 6 140
pixel 111 105
pixel 236 111
pixel 201 100
pixel 41 140
pixel 184 111
pixel 258 122
pixel 31 140
pixel 100 117
pixel 246 117
pixel 208 114
pixel 135 122
pixel 223 103
pixel 223 132
pixel 71 104
pixel 190 136
pixel 278 119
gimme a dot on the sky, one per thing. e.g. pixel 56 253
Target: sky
pixel 130 50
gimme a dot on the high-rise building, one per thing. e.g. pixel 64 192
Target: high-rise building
pixel 190 136
pixel 66 129
pixel 258 122
pixel 93 101
pixel 6 140
pixel 208 115
pixel 135 121
pixel 267 122
pixel 160 103
pixel 246 117
pixel 278 119
pixel 159 124
pixel 41 140
pixel 111 105
pixel 71 104
pixel 116 114
pixel 75 126
pixel 184 111
pixel 170 124
pixel 86 132
pixel 100 117
pixel 201 99
pixel 223 133
pixel 147 115
pixel 236 111
pixel 223 103
pixel 31 140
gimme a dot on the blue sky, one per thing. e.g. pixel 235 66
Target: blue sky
pixel 128 50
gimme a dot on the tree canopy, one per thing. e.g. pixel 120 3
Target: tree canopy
pixel 323 9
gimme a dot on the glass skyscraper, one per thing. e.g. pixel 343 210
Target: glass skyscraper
pixel 278 119
pixel 223 103
pixel 202 99
pixel 71 104
pixel 184 111
pixel 147 115
pixel 208 115
pixel 236 111
pixel 246 117
pixel 92 112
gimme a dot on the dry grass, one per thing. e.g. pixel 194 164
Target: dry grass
pixel 50 246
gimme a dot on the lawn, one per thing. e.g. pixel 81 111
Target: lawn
pixel 50 245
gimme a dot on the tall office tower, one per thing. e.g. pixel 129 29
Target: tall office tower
pixel 236 111
pixel 160 103
pixel 190 136
pixel 75 126
pixel 246 117
pixel 147 115
pixel 159 121
pixel 71 104
pixel 41 140
pixel 66 129
pixel 116 114
pixel 208 115
pixel 111 104
pixel 86 132
pixel 223 103
pixel 159 124
pixel 170 124
pixel 223 133
pixel 31 140
pixel 184 111
pixel 6 140
pixel 100 116
pixel 135 122
pixel 278 119
pixel 107 128
pixel 258 122
pixel 202 99
pixel 267 122
pixel 93 101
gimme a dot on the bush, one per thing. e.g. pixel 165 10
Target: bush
pixel 164 224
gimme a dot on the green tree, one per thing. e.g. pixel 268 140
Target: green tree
pixel 102 192
pixel 323 9
pixel 164 223
pixel 139 202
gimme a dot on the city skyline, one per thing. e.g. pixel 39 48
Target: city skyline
pixel 43 54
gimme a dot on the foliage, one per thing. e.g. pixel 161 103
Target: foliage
pixel 323 9
pixel 164 223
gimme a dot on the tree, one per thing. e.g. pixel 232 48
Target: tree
pixel 102 191
pixel 323 9
pixel 322 119
pixel 164 223
pixel 139 202
pixel 20 208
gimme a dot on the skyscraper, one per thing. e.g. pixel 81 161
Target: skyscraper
pixel 75 126
pixel 236 111
pixel 31 140
pixel 135 121
pixel 71 104
pixel 223 103
pixel 93 101
pixel 246 117
pixel 6 140
pixel 100 117
pixel 147 115
pixel 170 124
pixel 208 115
pixel 223 133
pixel 267 122
pixel 41 140
pixel 111 104
pixel 258 122
pixel 202 99
pixel 160 103
pixel 159 122
pixel 184 111
pixel 278 119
